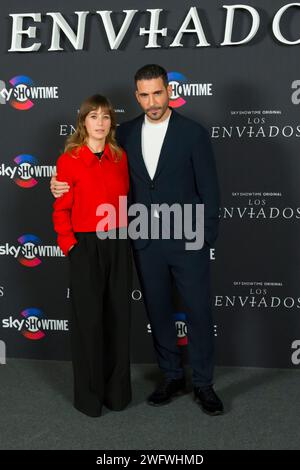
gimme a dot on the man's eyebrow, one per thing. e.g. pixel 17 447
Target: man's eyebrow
pixel 145 93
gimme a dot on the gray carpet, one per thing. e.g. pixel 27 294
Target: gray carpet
pixel 36 412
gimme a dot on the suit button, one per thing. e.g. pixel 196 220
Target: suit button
pixel 152 186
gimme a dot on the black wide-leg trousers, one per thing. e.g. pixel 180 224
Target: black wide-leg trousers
pixel 100 272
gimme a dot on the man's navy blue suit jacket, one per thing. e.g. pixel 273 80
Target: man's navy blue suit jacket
pixel 186 171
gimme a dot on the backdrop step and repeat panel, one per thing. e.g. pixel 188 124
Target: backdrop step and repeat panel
pixel 236 70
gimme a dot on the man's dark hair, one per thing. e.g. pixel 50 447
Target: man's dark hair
pixel 149 71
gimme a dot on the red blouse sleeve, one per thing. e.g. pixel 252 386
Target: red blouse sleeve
pixel 62 207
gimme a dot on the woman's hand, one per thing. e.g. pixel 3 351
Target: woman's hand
pixel 58 188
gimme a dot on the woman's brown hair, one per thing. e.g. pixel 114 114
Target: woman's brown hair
pixel 79 137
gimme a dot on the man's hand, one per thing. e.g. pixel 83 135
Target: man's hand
pixel 58 188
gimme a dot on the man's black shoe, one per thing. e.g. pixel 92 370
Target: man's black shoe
pixel 209 400
pixel 166 391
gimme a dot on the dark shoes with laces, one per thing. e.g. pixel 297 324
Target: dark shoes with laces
pixel 170 388
pixel 166 391
pixel 208 400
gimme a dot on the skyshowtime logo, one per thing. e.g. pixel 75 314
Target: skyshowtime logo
pixel 181 329
pixel 182 88
pixel 26 171
pixel 30 251
pixel 33 324
pixel 22 93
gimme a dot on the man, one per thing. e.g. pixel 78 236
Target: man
pixel 171 161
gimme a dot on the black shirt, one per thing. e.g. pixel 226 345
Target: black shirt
pixel 99 154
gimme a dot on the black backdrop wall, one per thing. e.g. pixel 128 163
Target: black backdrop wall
pixel 248 97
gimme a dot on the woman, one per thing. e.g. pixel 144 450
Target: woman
pixel 96 171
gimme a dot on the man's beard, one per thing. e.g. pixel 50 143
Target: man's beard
pixel 160 112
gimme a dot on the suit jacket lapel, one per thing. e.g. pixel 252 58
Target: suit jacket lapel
pixel 138 153
pixel 166 149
